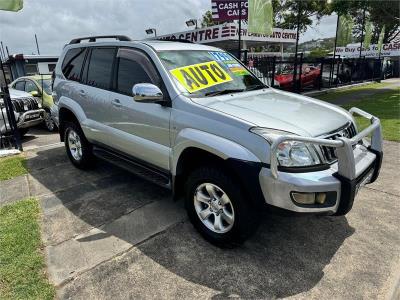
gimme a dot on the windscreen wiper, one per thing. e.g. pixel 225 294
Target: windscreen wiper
pixel 223 92
pixel 256 87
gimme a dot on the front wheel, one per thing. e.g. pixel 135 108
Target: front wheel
pixel 78 148
pixel 218 208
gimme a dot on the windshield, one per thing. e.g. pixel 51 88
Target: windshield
pixel 46 84
pixel 208 73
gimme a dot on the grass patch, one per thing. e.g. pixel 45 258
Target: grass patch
pixel 12 167
pixel 384 105
pixel 352 91
pixel 22 264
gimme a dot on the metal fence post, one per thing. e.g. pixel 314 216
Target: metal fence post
pixel 9 110
pixel 273 71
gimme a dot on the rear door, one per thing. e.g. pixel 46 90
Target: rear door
pixel 96 80
pixel 139 129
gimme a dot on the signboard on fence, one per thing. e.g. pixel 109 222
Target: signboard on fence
pixel 230 32
pixel 228 10
pixel 353 51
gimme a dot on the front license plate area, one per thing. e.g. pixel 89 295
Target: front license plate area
pixel 32 116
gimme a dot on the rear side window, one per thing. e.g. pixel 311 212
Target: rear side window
pixel 20 85
pixel 100 67
pixel 72 64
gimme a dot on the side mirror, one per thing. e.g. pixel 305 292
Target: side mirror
pixel 147 93
pixel 35 94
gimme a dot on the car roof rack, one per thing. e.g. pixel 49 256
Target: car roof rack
pixel 175 40
pixel 93 39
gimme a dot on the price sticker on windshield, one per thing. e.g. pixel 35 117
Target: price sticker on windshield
pixel 201 76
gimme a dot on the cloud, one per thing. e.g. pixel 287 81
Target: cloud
pixel 56 22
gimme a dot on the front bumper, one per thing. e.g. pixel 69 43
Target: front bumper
pixel 357 165
pixel 30 118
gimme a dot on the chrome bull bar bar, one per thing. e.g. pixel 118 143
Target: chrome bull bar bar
pixel 344 146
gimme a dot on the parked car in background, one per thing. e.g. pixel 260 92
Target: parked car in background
pixel 193 119
pixel 27 112
pixel 38 86
pixel 309 77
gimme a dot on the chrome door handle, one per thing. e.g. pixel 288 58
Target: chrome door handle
pixel 116 103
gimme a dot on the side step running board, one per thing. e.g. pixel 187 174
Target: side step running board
pixel 156 176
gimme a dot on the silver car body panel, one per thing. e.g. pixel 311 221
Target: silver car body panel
pixel 219 125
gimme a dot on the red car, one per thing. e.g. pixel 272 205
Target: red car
pixel 309 77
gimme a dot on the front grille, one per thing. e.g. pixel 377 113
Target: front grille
pixel 24 104
pixel 348 131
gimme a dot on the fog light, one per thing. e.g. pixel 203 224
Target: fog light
pixel 320 198
pixel 304 198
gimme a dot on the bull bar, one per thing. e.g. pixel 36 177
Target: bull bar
pixel 344 146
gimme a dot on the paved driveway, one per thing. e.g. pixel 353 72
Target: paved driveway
pixel 109 234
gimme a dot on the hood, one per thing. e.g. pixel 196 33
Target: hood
pixel 280 110
pixel 18 94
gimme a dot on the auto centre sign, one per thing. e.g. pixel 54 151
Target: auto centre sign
pixel 228 10
pixel 230 31
pixel 353 51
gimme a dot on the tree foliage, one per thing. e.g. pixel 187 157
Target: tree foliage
pixel 380 13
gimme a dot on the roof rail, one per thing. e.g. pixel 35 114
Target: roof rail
pixel 168 39
pixel 94 38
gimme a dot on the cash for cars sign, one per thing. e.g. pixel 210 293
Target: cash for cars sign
pixel 353 51
pixel 229 10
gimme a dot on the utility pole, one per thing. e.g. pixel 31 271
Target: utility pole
pixel 297 46
pixel 37 44
pixel 334 52
pixel 240 29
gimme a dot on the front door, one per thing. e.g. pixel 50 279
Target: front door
pixel 139 129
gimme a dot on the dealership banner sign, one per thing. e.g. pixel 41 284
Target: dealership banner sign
pixel 230 32
pixel 229 10
pixel 353 51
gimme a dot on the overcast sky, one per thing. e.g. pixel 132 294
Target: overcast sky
pixel 56 22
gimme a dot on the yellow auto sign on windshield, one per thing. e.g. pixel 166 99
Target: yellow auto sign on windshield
pixel 200 76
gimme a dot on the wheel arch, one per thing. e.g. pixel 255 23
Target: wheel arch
pixel 195 148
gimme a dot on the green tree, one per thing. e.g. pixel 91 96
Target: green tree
pixel 286 12
pixel 380 13
pixel 206 20
pixel 318 52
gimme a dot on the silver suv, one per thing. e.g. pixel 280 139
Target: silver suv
pixel 193 119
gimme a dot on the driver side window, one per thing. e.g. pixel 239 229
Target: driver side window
pixel 133 67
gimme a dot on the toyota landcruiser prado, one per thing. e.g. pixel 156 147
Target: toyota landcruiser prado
pixel 192 118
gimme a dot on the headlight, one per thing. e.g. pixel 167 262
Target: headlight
pixel 290 153
pixel 296 154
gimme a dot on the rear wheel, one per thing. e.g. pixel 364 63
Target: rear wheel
pixel 218 208
pixel 79 150
pixel 49 122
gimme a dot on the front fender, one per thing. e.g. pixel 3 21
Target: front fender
pixel 211 143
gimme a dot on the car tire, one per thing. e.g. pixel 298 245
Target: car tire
pixel 49 122
pixel 78 149
pixel 226 223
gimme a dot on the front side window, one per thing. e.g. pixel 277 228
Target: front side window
pixel 72 64
pixel 200 73
pixel 130 73
pixel 100 67
pixel 20 85
pixel 30 86
pixel 46 85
